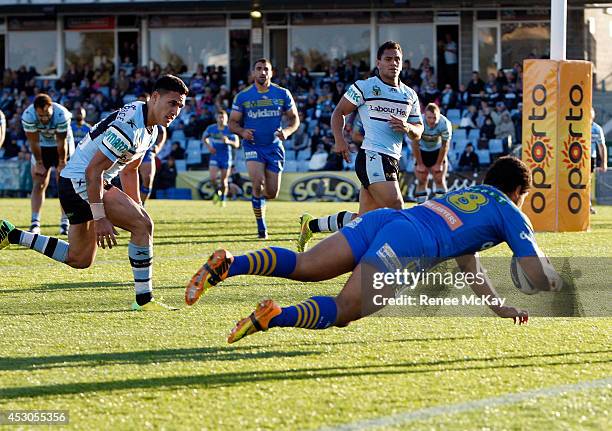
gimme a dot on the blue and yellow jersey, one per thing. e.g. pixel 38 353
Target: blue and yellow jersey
pixel 59 123
pixel 215 138
pixel 473 219
pixel 376 101
pixel 79 132
pixel 597 138
pixel 263 112
pixel 433 137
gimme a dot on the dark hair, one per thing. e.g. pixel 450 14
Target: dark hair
pixel 261 60
pixel 390 44
pixel 42 101
pixel 507 173
pixel 170 83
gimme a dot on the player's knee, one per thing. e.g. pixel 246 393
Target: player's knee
pixel 81 261
pixel 349 310
pixel 271 194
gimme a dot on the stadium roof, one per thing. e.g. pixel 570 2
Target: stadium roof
pixel 130 6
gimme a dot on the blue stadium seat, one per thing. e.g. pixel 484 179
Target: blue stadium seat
pixel 474 135
pixel 303 156
pixel 291 166
pixel 484 157
pixel 460 145
pixel 181 165
pixel 175 193
pixel 289 155
pixel 177 135
pixel 459 134
pixel 454 116
pixel 496 146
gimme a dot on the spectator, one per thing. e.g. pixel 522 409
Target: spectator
pixel 476 85
pixel 299 139
pixel 448 98
pixel 192 129
pixel 177 152
pixel 318 160
pixel 469 159
pixel 451 60
pixel 487 131
pixel 505 130
pixel 114 101
pixel 123 82
pixel 463 97
pixel 166 177
pixel 500 109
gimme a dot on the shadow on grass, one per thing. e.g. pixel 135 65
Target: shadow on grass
pixel 299 374
pixel 74 286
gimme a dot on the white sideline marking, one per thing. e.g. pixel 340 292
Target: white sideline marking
pixel 502 400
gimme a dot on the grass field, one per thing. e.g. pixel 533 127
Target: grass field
pixel 68 342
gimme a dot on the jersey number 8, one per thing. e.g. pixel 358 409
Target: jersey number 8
pixel 468 202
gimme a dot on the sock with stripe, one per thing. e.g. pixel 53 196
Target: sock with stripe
pixel 318 312
pixel 269 261
pixel 439 192
pixel 35 220
pixel 51 247
pixel 332 223
pixel 141 258
pixel 259 209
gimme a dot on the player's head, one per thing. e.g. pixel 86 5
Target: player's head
pixel 79 114
pixel 432 114
pixel 222 117
pixel 167 100
pixel 592 114
pixel 43 105
pixel 389 60
pixel 262 72
pixel 511 176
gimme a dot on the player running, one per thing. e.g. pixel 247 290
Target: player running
pixel 220 140
pixel 94 206
pixel 256 117
pixel 147 167
pixel 47 128
pixel 388 109
pixel 456 226
pixel 431 153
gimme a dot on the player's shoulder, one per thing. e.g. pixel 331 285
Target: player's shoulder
pixel 596 127
pixel 408 91
pixel 130 116
pixel 246 92
pixel 210 128
pixel 29 114
pixel 61 113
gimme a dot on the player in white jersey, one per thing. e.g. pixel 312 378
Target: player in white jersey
pixel 388 110
pixel 94 207
pixel 431 152
pixel 47 128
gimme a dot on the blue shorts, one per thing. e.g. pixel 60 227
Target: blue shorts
pixel 221 162
pixel 388 240
pixel 147 156
pixel 272 156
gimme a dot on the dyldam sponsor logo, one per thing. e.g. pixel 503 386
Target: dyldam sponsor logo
pixel 539 149
pixel 575 149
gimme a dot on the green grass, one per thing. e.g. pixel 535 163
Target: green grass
pixel 68 342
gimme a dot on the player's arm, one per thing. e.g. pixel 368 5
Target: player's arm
pixel 62 149
pixel 235 121
pixel 446 136
pixel 33 139
pixel 416 150
pixel 345 107
pixel 471 267
pixel 603 152
pixel 413 129
pixel 541 274
pixel 294 122
pixel 2 128
pixel 206 141
pixel 233 140
pixel 105 232
pixel 130 180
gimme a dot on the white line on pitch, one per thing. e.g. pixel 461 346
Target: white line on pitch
pixel 511 398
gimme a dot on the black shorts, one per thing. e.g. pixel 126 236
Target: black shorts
pixel 76 208
pixel 430 157
pixel 50 158
pixel 372 167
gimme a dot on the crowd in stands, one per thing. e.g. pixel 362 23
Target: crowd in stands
pixel 484 112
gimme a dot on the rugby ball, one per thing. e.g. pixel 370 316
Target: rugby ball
pixel 520 279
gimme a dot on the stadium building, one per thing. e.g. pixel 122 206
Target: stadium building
pixel 51 34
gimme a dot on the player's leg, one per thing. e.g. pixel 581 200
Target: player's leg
pixel 356 300
pixel 64 222
pixel 334 256
pixel 272 184
pixel 80 251
pixel 213 172
pixel 440 180
pixel 123 212
pixel 257 174
pixel 224 181
pixel 147 175
pixel 39 186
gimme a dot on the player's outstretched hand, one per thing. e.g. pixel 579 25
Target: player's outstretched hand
pixel 248 134
pixel 342 148
pixel 519 316
pixel 105 233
